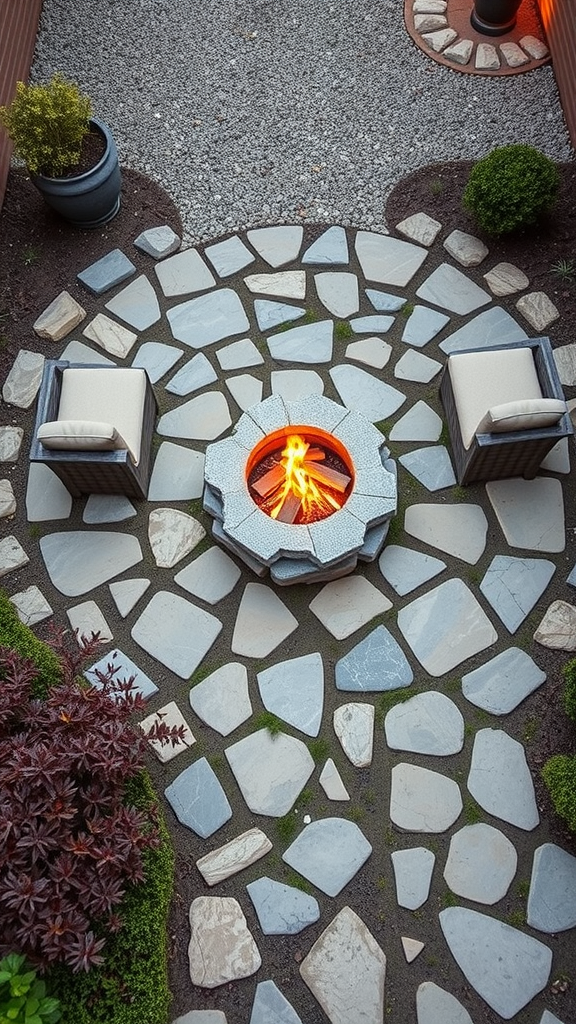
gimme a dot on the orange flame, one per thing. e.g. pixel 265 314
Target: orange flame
pixel 298 482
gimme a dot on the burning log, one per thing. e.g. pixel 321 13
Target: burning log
pixel 329 477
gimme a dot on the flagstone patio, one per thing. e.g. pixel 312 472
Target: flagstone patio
pixel 368 802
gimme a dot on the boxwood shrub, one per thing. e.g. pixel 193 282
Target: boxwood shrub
pixel 510 188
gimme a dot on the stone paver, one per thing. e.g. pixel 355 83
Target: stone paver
pixel 195 374
pixel 481 863
pixel 371 351
pixel 354 727
pixel 158 242
pixel 466 249
pixel 31 606
pixel 422 800
pixel 506 279
pixel 417 367
pixel 505 966
pixel 203 418
pixel 156 359
pixel 412 874
pixel 262 623
pixel 10 442
pixel 210 577
pixel 136 304
pixel 222 700
pixel 538 310
pixel 107 508
pixel 282 909
pixel 271 770
pixel 558 627
pixel 59 318
pixel 173 535
pixel 271 1006
pixel 360 390
pixel 428 723
pixel 459 530
pixel 376 663
pixel 127 593
pixel 86 619
pixel 239 354
pixel 502 683
pixel 331 782
pixel 183 273
pixel 405 570
pixel 411 948
pixel 208 318
pixel 420 227
pixel 343 606
pixel 512 586
pixel 21 385
pixel 422 325
pixel 452 290
pixel 198 800
pixel 552 896
pixel 123 669
pixel 7 499
pixel 288 284
pixel 229 256
pixel 107 272
pixel 294 691
pixel 434 1004
pixel 500 781
pixel 420 423
pixel 310 343
pixel 329 853
pixel 175 632
pixel 234 856
pixel 431 467
pixel 78 561
pixel 221 947
pixel 110 336
pixel 46 496
pixel 295 384
pixel 446 626
pixel 530 512
pixel 338 293
pixel 177 474
pixel 277 245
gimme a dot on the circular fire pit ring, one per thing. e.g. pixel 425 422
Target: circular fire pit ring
pixel 354 464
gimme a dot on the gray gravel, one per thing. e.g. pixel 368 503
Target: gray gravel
pixel 263 112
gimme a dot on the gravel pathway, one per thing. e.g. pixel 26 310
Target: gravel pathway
pixel 258 113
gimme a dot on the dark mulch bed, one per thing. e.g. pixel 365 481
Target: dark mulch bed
pixel 39 256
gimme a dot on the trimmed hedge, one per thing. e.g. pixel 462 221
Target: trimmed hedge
pixel 559 774
pixel 132 986
pixel 510 188
pixel 19 637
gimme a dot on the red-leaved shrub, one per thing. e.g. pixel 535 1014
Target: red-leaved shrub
pixel 69 843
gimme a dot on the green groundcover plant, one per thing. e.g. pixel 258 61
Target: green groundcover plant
pixel 511 188
pixel 86 866
pixel 23 998
pixel 559 772
pixel 47 124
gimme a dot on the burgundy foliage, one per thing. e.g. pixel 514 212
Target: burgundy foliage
pixel 70 843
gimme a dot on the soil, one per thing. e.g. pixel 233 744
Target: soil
pixel 40 256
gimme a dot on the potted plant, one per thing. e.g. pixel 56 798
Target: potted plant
pixel 70 155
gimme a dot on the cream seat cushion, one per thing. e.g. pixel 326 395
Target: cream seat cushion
pixel 489 377
pixel 113 396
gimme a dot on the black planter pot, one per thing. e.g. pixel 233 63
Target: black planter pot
pixel 494 17
pixel 89 199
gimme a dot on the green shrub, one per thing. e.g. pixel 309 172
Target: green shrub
pixel 559 774
pixel 23 998
pixel 569 673
pixel 20 638
pixel 47 124
pixel 510 188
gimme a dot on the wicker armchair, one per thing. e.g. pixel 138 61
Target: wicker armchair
pixel 493 377
pixel 76 397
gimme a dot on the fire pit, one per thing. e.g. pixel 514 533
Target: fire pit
pixel 301 489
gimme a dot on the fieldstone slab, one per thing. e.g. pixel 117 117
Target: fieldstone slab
pixel 234 856
pixel 171 716
pixel 271 770
pixel 46 496
pixel 452 290
pixel 282 909
pixel 331 782
pixel 78 352
pixel 245 389
pixel 364 324
pixel 365 393
pixel 31 606
pixel 530 512
pixel 208 318
pixel 549 1018
pixel 538 310
pixel 108 508
pixel 492 327
pixel 79 561
pixel 158 242
pixel 434 1004
pixel 345 970
pixel 512 586
pixel 417 367
pixel 558 627
pixel 428 723
pixel 110 336
pixel 411 948
pixel 422 325
pixel 210 577
pixel 107 272
pixel 412 875
pixel 294 691
pixel 506 279
pixel 127 593
pixel 420 423
pixel 430 466
pixel 177 475
pixel 558 458
pixel 371 351
pixel 229 256
pixel 175 632
pixel 330 248
pixel 420 227
pixel 195 374
pixel 500 780
pixel 513 55
pixel 136 304
pixel 271 1007
pixel 59 318
pixel 288 284
pixel 86 620
pixel 552 896
pixel 405 569
pixel 387 260
pixel 121 669
pixel 202 1017
pixel 504 682
pixel 438 40
pixel 7 499
pixel 203 418
pixel 221 947
pixel 338 293
pixel 310 343
pixel 173 535
pixel 384 302
pixel 296 384
pixel 156 359
pixel 565 359
pixel 222 700
pixel 239 354
pixel 459 530
pixel 354 727
pixel 376 663
pixel 506 967
pixel 466 249
pixel 329 853
pixel 23 381
pixel 10 442
pixel 422 800
pixel 481 864
pixel 345 605
pixel 460 52
pixel 262 623
pixel 535 47
pixel 277 245
pixel 184 273
pixel 198 800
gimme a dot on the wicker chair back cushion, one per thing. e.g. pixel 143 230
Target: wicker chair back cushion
pixel 114 396
pixel 487 378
